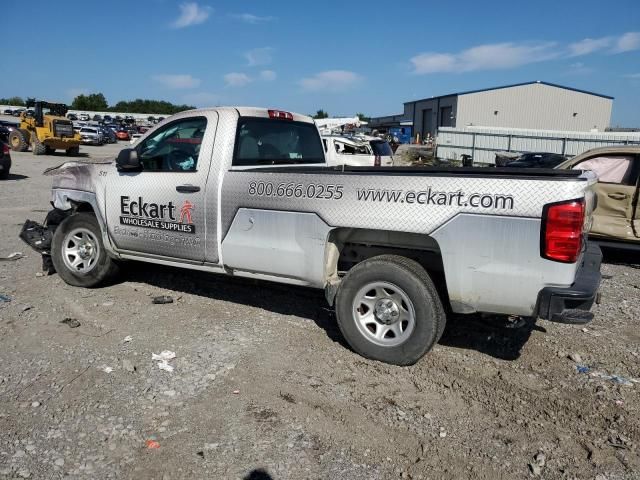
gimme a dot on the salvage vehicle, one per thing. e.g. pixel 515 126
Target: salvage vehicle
pixel 247 192
pixel 349 150
pixel 5 161
pixel 537 160
pixel 616 218
pixel 91 136
pixel 47 130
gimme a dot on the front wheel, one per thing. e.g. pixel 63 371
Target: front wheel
pixel 388 309
pixel 78 253
pixel 73 151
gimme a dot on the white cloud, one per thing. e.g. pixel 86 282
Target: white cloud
pixel 268 75
pixel 331 81
pixel 191 14
pixel 496 56
pixel 252 19
pixel 201 99
pixel 589 45
pixel 628 42
pixel 235 79
pixel 259 56
pixel 635 76
pixel 176 81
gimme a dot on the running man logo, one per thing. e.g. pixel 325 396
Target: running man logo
pixel 185 212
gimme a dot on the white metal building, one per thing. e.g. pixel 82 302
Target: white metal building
pixel 531 105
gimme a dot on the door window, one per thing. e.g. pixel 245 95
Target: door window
pixel 175 147
pixel 612 169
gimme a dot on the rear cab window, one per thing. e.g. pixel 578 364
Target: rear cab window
pixel 270 141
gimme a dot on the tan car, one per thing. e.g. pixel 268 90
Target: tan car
pixel 617 216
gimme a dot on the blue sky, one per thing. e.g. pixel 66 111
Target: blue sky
pixel 344 57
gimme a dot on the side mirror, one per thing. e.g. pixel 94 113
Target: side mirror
pixel 128 160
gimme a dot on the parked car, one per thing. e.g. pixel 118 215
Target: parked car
pixel 122 134
pixel 91 136
pixel 616 219
pixel 5 130
pixel 108 134
pixel 380 148
pixel 72 116
pixel 107 119
pixel 17 112
pixel 8 111
pixel 84 117
pixel 5 161
pixel 537 160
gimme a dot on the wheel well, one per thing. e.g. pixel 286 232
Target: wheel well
pixel 82 207
pixel 346 247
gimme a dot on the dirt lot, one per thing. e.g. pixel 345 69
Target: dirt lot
pixel 264 387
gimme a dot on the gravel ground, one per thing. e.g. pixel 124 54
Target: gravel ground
pixel 263 386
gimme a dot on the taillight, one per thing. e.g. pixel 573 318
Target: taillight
pixel 5 149
pixel 280 114
pixel 562 228
pixel 378 161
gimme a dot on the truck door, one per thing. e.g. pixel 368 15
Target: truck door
pixel 161 209
pixel 617 195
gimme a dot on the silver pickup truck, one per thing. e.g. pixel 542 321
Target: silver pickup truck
pixel 246 192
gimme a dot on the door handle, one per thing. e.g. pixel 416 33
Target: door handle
pixel 618 196
pixel 187 188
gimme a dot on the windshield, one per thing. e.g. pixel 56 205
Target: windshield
pixel 268 141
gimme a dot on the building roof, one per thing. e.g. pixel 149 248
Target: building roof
pixel 510 86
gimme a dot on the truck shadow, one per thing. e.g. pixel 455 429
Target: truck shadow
pixel 615 256
pixel 489 335
pixel 492 335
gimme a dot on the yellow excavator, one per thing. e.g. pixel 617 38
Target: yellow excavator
pixel 45 129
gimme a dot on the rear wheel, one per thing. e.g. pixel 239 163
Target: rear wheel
pixel 388 309
pixel 49 150
pixel 18 141
pixel 73 151
pixel 78 253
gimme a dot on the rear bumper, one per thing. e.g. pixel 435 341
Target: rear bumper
pixel 572 304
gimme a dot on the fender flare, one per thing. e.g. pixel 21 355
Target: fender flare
pixel 68 199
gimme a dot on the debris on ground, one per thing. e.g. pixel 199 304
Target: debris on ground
pixel 127 339
pixel 575 357
pixel 5 298
pixel 163 359
pixel 71 322
pixel 152 444
pixel 537 464
pixel 106 369
pixel 162 299
pixel 10 258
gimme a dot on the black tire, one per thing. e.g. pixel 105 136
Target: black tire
pixel 49 150
pixel 39 148
pixel 4 175
pixel 18 141
pixel 414 281
pixel 104 267
pixel 73 151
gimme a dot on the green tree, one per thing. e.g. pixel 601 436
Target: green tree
pixel 321 114
pixel 15 101
pixel 363 117
pixel 94 102
pixel 149 106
